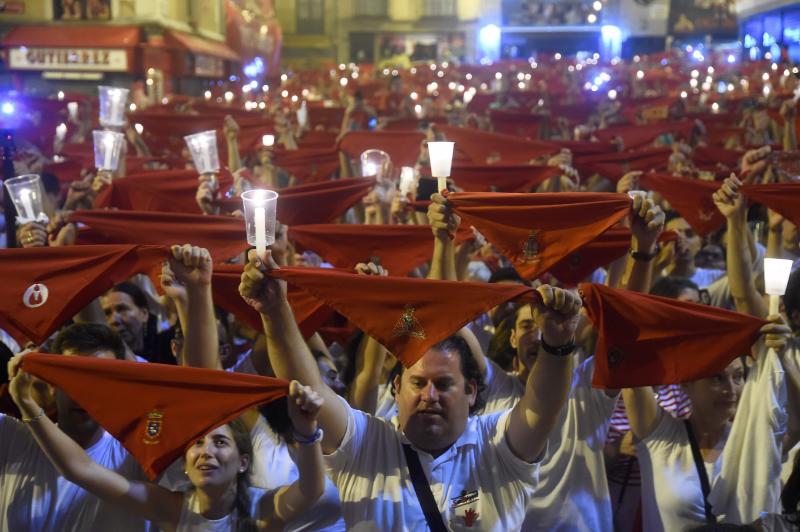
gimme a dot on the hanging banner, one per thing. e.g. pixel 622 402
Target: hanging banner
pixel 642 18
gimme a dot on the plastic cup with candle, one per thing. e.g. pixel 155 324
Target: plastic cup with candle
pixel 259 214
pixel 203 147
pixel 406 181
pixel 776 276
pixel 26 192
pixel 268 140
pixel 441 157
pixel 107 149
pixel 112 106
pixel 61 131
pixel 72 108
pixel 302 115
pixel 375 162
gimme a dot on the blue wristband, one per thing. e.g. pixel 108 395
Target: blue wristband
pixel 314 438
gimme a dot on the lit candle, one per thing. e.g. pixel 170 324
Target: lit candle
pixel 108 144
pixel 61 131
pixel 268 140
pixel 406 181
pixel 260 221
pixel 370 169
pixel 27 205
pixel 776 276
pixel 441 157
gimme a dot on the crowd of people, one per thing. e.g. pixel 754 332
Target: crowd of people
pixel 574 335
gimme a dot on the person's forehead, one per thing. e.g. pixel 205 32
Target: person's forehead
pixel 436 363
pixel 689 294
pixel 100 353
pixel 116 298
pixel 524 314
pixel 223 430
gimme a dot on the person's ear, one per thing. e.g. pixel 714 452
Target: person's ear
pixel 244 463
pixel 396 383
pixel 512 339
pixel 472 392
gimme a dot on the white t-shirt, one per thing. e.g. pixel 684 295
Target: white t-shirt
pixel 503 390
pixel 745 480
pixel 387 406
pixel 192 521
pixel 478 483
pixel 35 497
pixel 573 490
pixel 274 466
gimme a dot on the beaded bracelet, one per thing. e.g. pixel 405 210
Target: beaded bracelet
pixel 314 438
pixel 37 417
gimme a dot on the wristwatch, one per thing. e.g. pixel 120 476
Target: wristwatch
pixel 559 351
pixel 644 257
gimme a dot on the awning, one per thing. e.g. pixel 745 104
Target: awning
pixel 199 45
pixel 56 36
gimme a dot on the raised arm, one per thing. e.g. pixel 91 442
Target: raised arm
pixel 288 353
pixel 231 130
pixel 547 388
pixel 369 360
pixel 647 223
pixel 444 224
pixel 740 273
pixel 145 499
pixel 292 500
pixel 186 279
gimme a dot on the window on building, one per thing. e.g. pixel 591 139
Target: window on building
pixel 310 16
pixel 439 8
pixel 371 8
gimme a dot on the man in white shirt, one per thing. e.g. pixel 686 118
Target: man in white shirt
pixel 480 470
pixel 33 494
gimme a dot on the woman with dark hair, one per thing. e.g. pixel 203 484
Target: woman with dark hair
pixel 217 465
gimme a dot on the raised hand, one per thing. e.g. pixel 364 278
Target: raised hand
pixel 261 292
pixel 557 315
pixel 304 406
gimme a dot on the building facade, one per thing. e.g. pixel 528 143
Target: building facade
pixel 154 46
pixel 376 31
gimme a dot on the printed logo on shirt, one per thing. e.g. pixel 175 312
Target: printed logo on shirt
pixel 465 511
pixel 35 295
pixel 531 248
pixel 152 429
pixel 408 325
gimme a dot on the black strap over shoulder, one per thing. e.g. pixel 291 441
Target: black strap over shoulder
pixel 701 472
pixel 423 490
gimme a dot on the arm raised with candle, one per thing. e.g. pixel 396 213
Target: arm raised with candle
pixel 288 353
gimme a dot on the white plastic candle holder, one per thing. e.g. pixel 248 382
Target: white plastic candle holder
pixel 27 193
pixel 268 140
pixel 203 147
pixel 302 115
pixel 107 149
pixel 776 276
pixel 113 101
pixel 406 181
pixel 260 206
pixel 441 157
pixel 375 162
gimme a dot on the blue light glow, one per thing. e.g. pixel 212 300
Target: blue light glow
pixel 255 68
pixel 612 40
pixel 489 39
pixel 7 108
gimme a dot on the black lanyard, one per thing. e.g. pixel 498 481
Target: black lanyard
pixel 423 489
pixel 701 472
